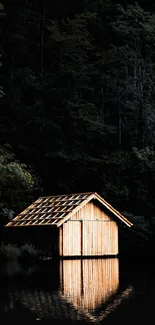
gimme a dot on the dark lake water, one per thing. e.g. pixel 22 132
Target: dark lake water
pixel 80 292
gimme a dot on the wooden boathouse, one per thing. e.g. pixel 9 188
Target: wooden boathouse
pixel 73 225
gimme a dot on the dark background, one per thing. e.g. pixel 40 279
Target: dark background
pixel 77 106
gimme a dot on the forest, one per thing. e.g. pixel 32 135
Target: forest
pixel 77 106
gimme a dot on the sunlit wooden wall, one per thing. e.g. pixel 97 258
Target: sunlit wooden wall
pixel 89 283
pixel 90 232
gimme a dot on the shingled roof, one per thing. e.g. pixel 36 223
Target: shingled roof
pixel 55 210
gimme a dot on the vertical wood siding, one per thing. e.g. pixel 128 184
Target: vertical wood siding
pixel 72 238
pixel 90 232
pixel 89 283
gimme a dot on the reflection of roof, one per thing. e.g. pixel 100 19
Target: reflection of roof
pixel 54 210
pixel 43 304
pixel 46 305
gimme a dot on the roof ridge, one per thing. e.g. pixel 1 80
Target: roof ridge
pixel 78 193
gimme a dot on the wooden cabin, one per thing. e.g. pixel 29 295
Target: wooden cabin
pixel 74 225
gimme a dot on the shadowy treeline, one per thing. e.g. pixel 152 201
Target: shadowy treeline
pixel 77 106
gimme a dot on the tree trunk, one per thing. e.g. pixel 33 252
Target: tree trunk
pixel 119 125
pixel 102 101
pixel 141 105
pixel 42 41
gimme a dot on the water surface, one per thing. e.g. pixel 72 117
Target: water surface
pixel 81 291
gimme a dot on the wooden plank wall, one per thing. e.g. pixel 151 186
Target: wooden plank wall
pixel 90 232
pixel 89 283
pixel 72 238
pixel 99 238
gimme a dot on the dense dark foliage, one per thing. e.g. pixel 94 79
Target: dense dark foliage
pixel 77 88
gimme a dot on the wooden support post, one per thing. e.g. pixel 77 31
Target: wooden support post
pixel 81 237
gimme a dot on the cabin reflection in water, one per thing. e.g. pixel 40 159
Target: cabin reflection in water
pixel 88 290
pixel 88 283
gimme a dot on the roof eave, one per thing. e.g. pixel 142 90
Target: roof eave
pixel 114 211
